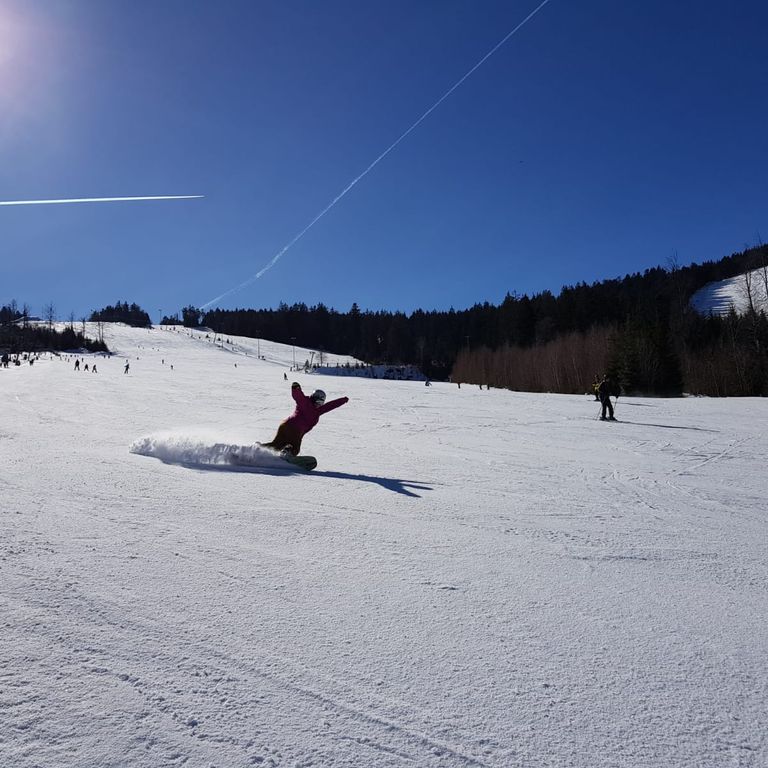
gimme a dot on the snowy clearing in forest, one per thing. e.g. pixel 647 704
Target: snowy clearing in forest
pixel 719 297
pixel 469 577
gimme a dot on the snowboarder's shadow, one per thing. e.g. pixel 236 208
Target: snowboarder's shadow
pixel 390 483
pixel 404 487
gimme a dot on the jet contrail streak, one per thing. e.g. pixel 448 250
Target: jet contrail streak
pixel 98 200
pixel 392 146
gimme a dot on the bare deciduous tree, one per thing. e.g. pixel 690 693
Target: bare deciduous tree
pixel 569 364
pixel 49 314
pixel 748 290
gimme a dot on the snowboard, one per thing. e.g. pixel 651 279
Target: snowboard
pixel 307 463
pixel 245 457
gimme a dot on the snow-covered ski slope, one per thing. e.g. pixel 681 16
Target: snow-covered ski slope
pixel 469 578
pixel 719 297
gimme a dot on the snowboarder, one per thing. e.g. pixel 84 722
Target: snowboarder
pixel 605 389
pixel 304 418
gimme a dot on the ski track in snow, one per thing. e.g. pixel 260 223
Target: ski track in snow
pixel 469 578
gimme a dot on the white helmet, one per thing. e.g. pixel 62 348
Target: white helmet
pixel 318 397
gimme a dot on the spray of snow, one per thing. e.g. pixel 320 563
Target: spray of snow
pixel 202 449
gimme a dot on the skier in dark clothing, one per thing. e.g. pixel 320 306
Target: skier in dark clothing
pixel 605 389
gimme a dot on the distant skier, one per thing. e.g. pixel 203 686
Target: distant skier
pixel 605 389
pixel 127 367
pixel 304 418
pixel 77 365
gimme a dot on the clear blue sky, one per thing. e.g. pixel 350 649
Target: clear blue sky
pixel 603 138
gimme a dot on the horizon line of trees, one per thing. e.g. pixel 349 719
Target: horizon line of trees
pixel 122 312
pixel 640 328
pixel 18 334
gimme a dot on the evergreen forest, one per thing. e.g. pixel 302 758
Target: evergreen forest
pixel 122 312
pixel 641 329
pixel 19 334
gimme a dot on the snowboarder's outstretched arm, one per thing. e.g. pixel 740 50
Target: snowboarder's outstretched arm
pixel 297 394
pixel 333 404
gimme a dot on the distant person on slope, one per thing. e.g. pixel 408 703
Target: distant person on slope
pixel 605 389
pixel 304 418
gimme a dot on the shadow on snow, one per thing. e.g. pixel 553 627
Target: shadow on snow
pixel 390 483
pixel 404 487
pixel 666 426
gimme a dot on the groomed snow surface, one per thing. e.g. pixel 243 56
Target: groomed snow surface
pixel 469 578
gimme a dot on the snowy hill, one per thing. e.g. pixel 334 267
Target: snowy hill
pixel 469 578
pixel 717 298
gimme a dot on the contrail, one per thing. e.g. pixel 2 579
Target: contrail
pixel 354 181
pixel 98 200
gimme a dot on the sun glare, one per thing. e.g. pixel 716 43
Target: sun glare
pixel 11 32
pixel 14 36
pixel 27 44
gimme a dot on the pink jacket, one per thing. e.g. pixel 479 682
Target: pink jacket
pixel 307 414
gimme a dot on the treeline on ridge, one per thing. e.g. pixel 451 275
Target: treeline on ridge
pixel 122 312
pixel 640 328
pixel 19 334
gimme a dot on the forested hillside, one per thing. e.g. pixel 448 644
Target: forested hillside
pixel 19 334
pixel 122 312
pixel 640 327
